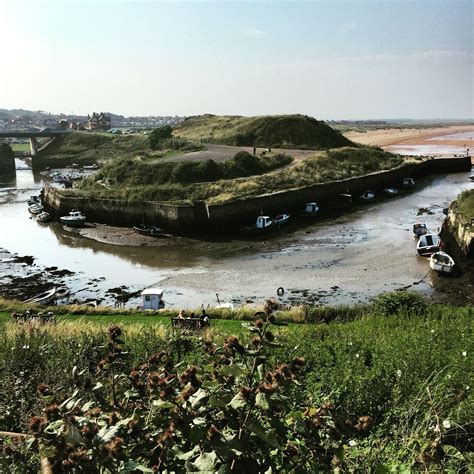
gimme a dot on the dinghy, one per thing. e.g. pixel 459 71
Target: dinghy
pixel 281 219
pixel 390 192
pixel 428 244
pixel 263 225
pixel 408 182
pixel 149 231
pixel 441 262
pixel 34 200
pixel 311 209
pixel 419 229
pixel 35 209
pixel 44 298
pixel 367 196
pixel 43 217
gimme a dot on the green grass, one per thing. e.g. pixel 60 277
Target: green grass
pixel 466 205
pixel 23 147
pixel 411 372
pixel 292 131
pixel 136 181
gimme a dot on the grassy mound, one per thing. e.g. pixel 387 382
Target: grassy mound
pixel 182 183
pixel 291 131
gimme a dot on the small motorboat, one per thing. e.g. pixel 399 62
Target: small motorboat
pixel 281 219
pixel 43 217
pixel 390 192
pixel 408 182
pixel 75 218
pixel 311 209
pixel 419 229
pixel 35 209
pixel 441 262
pixel 149 231
pixel 428 244
pixel 44 298
pixel 262 225
pixel 367 196
pixel 34 200
pixel 90 167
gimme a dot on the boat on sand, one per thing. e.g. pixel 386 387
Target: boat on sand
pixel 428 244
pixel 75 218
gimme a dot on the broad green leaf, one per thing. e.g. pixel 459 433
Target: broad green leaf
pixel 233 369
pixel 219 400
pixel 56 427
pixel 452 452
pixel 206 462
pixel 98 385
pixel 87 406
pixel 198 398
pixel 261 401
pixel 238 402
pixel 265 435
pixel 162 404
pixel 106 434
pixel 72 436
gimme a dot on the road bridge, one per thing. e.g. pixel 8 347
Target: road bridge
pixel 32 135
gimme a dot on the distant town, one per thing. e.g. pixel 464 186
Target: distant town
pixel 96 121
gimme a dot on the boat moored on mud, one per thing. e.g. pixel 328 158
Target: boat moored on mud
pixel 419 229
pixel 367 196
pixel 441 262
pixel 149 231
pixel 281 219
pixel 75 218
pixel 311 209
pixel 428 244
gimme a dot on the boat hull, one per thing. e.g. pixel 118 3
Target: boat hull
pixel 72 222
pixel 427 251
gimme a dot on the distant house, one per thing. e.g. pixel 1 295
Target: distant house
pixel 98 121
pixel 76 125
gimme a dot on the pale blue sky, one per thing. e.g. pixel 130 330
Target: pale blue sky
pixel 330 59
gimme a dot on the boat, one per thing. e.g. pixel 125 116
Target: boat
pixel 341 201
pixel 75 218
pixel 367 196
pixel 311 209
pixel 442 262
pixel 34 200
pixel 150 231
pixel 45 297
pixel 35 209
pixel 262 225
pixel 408 182
pixel 90 167
pixel 58 178
pixel 419 229
pixel 43 217
pixel 390 191
pixel 471 177
pixel 428 244
pixel 281 219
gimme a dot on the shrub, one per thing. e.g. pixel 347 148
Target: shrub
pixel 400 301
pixel 156 136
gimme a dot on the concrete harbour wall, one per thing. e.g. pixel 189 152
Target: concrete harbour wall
pixel 200 216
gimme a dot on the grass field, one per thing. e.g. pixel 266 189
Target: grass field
pixel 23 147
pixel 405 366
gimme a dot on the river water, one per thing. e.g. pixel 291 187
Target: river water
pixel 344 259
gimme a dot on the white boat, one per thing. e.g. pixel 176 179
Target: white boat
pixel 441 262
pixel 281 219
pixel 408 182
pixel 43 217
pixel 428 244
pixel 419 229
pixel 311 209
pixel 90 167
pixel 75 218
pixel 35 209
pixel 263 223
pixel 367 196
pixel 45 297
pixel 390 191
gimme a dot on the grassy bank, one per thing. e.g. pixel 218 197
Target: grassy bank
pixel 292 131
pixel 322 167
pixel 87 148
pixel 466 204
pixel 404 370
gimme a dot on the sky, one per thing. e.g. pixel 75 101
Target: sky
pixel 331 59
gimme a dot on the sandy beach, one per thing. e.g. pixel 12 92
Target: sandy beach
pixel 412 136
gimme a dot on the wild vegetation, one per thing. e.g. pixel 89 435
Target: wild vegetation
pixel 388 391
pixel 466 204
pixel 87 148
pixel 134 180
pixel 292 131
pixel 7 164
